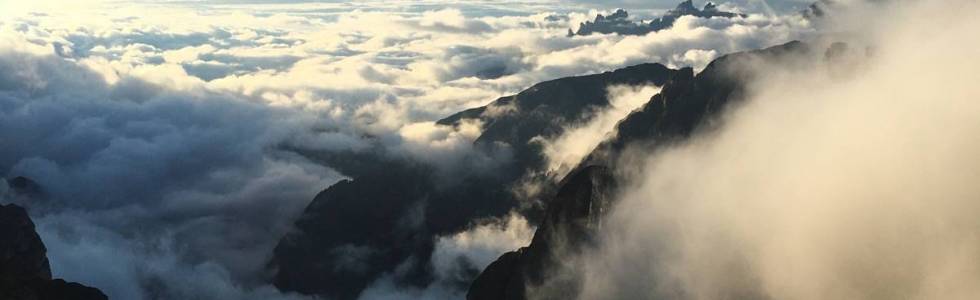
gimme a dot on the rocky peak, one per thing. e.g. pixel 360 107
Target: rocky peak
pixel 685 8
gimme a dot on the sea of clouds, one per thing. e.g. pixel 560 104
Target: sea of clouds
pixel 164 133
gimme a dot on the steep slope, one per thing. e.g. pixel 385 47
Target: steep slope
pixel 686 105
pixel 24 270
pixel 572 220
pixel 387 218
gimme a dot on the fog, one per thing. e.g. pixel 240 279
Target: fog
pixel 564 152
pixel 853 180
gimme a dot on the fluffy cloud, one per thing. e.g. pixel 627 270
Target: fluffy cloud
pixel 165 140
pixel 855 180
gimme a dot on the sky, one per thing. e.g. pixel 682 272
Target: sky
pixel 162 130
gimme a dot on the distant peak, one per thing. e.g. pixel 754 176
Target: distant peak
pixel 710 7
pixel 619 22
pixel 687 5
pixel 619 14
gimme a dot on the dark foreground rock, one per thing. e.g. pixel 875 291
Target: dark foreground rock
pixel 24 270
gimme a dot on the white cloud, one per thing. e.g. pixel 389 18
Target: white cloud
pixel 455 258
pixel 179 120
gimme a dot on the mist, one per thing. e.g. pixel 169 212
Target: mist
pixel 577 140
pixel 851 180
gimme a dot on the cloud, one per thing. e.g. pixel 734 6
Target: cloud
pixel 457 258
pixel 168 140
pixel 850 180
pixel 566 151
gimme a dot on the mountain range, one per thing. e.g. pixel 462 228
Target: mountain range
pixel 619 22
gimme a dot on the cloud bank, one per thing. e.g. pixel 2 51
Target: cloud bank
pixel 851 181
pixel 168 149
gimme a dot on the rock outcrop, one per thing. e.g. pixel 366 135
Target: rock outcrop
pixel 24 270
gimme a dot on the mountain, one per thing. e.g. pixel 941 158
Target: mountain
pixel 385 220
pixel 24 270
pixel 572 220
pixel 687 104
pixel 619 22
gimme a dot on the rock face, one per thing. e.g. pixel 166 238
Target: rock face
pixel 686 105
pixel 573 218
pixel 24 270
pixel 386 218
pixel 22 254
pixel 619 22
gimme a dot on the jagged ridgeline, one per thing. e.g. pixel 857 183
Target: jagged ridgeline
pixel 620 23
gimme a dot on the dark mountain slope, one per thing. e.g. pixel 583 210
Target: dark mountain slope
pixel 686 105
pixel 689 101
pixel 572 220
pixel 389 215
pixel 545 108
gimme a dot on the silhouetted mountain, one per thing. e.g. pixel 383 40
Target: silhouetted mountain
pixel 24 270
pixel 619 22
pixel 686 105
pixel 388 216
pixel 572 220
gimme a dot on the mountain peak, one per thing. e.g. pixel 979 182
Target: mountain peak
pixel 619 22
pixel 686 6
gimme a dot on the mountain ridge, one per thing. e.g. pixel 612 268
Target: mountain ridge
pixel 687 104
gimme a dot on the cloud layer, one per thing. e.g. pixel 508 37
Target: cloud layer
pixel 165 140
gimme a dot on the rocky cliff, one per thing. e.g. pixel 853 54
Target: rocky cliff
pixel 24 270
